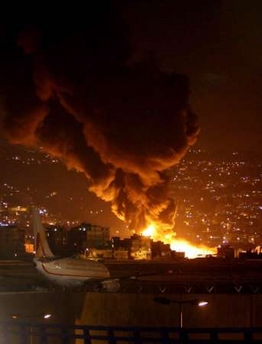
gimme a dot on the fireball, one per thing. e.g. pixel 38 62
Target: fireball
pixel 178 245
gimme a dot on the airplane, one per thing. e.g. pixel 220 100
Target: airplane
pixel 70 272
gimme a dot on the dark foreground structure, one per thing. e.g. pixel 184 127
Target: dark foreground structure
pixel 25 333
pixel 122 318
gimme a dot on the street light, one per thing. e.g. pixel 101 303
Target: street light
pixel 180 303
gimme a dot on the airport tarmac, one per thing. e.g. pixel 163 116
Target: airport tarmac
pixel 186 276
pixel 210 275
pixel 18 275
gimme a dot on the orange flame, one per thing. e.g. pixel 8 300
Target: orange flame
pixel 179 245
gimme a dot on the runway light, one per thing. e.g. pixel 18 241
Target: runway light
pixel 202 303
pixel 30 316
pixel 14 316
pixel 47 316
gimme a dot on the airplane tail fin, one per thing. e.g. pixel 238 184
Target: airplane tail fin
pixel 42 248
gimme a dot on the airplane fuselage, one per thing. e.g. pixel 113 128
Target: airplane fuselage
pixel 71 272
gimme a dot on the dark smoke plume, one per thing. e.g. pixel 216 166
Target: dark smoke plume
pixel 124 125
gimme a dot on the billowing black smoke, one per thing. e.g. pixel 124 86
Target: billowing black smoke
pixel 75 93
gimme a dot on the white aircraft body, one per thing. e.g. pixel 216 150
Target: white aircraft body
pixel 69 272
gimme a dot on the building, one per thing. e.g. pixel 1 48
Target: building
pixel 12 242
pixel 57 238
pixel 88 236
pixel 160 250
pixel 140 247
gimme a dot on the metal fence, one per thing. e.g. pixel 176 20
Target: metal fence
pixel 31 333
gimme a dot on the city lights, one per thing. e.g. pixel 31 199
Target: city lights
pixel 214 208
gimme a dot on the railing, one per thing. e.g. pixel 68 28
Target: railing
pixel 28 333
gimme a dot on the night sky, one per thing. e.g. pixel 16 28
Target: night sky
pixel 218 45
pixel 132 49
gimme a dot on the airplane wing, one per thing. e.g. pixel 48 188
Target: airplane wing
pixel 140 275
pixel 113 284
